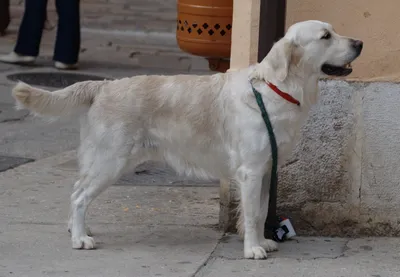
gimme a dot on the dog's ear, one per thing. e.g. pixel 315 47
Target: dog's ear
pixel 279 58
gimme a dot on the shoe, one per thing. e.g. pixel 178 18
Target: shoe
pixel 65 66
pixel 17 58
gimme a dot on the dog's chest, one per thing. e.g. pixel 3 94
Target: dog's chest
pixel 287 131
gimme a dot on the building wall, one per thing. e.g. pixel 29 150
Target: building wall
pixel 374 22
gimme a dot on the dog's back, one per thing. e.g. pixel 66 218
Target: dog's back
pixel 187 130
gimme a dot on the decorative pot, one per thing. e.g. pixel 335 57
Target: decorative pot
pixel 204 29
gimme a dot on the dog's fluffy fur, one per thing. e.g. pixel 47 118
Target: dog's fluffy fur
pixel 206 126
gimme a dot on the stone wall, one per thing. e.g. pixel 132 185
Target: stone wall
pixel 343 178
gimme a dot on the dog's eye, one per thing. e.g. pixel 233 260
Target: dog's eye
pixel 327 35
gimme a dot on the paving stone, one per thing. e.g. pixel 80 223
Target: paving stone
pixel 52 79
pixel 152 174
pixel 9 113
pixel 305 248
pixel 7 163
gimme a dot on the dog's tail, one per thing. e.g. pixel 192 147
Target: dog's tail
pixel 67 101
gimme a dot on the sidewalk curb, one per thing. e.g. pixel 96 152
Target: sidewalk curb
pixel 163 38
pixel 52 162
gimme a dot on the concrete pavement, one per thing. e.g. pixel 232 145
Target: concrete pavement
pixel 158 230
pixel 311 257
pixel 161 229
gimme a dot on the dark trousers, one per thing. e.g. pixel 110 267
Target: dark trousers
pixel 4 15
pixel 68 30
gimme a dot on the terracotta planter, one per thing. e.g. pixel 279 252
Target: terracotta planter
pixel 204 28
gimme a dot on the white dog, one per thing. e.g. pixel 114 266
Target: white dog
pixel 206 126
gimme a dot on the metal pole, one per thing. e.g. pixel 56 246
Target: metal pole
pixel 272 28
pixel 272 25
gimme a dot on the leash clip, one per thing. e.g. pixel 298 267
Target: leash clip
pixel 285 230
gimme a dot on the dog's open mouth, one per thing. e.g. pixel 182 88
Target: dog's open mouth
pixel 333 70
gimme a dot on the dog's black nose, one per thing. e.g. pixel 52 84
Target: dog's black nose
pixel 357 44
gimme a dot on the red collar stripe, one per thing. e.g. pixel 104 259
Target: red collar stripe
pixel 284 95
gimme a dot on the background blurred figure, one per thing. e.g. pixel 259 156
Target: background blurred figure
pixel 4 15
pixel 67 44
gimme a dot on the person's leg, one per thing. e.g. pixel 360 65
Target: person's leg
pixel 68 32
pixel 31 28
pixel 4 16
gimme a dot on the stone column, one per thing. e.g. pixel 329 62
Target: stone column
pixel 244 52
pixel 245 30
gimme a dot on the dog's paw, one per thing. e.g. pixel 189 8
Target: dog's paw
pixel 269 245
pixel 255 252
pixel 83 242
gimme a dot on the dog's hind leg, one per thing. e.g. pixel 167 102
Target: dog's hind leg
pixel 73 198
pixel 108 163
pixel 86 153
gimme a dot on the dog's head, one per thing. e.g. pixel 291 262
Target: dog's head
pixel 314 48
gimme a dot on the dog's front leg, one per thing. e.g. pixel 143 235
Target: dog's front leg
pixel 268 244
pixel 250 188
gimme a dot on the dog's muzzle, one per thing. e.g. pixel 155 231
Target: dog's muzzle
pixel 346 69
